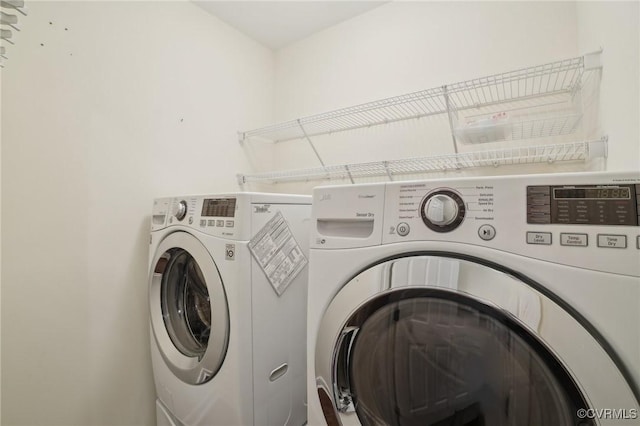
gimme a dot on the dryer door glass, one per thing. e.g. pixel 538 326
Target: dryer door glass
pixel 185 303
pixel 432 361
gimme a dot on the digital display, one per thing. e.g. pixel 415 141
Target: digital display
pixel 602 193
pixel 219 207
pixel 584 204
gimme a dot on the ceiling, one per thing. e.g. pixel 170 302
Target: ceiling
pixel 276 24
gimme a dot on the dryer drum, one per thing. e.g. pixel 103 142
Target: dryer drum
pixel 198 307
pixel 186 308
pixel 435 358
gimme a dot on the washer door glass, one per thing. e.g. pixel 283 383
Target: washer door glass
pixel 188 307
pixel 432 361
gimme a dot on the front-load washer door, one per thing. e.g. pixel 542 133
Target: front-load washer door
pixel 188 306
pixel 438 340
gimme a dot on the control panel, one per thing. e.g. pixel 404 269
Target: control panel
pixel 431 210
pixel 588 220
pixel 229 215
pixel 211 215
pixel 218 214
pixel 585 220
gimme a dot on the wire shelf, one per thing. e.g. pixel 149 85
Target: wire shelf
pixel 576 151
pixel 553 79
pixel 527 83
pixel 399 108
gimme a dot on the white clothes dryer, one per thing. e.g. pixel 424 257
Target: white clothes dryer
pixel 494 301
pixel 228 349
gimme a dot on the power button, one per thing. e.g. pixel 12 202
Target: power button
pixel 403 229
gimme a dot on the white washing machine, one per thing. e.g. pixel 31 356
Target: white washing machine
pixel 476 301
pixel 228 328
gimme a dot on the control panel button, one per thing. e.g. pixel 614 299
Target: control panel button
pixel 577 240
pixel 543 238
pixel 612 241
pixel 228 224
pixel 219 223
pixel 203 223
pixel 211 222
pixel 487 232
pixel 403 229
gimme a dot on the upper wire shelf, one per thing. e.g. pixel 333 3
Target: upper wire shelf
pixel 553 79
pixel 398 108
pixel 527 83
pixel 567 152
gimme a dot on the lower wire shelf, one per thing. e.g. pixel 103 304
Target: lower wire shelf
pixel 565 152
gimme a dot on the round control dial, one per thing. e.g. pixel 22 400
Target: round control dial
pixel 442 210
pixel 180 210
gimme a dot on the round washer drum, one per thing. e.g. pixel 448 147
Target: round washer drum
pixel 435 339
pixel 188 307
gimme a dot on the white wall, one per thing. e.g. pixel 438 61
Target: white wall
pixel 403 47
pixel 106 105
pixel 615 27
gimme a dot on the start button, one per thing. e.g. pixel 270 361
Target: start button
pixel 487 232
